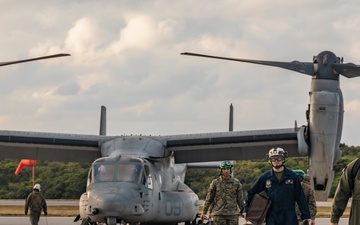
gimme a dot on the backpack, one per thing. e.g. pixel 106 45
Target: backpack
pixel 36 200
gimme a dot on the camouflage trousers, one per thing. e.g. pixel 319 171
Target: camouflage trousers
pixel 226 220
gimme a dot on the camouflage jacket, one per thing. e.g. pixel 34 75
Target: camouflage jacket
pixel 310 198
pixel 225 197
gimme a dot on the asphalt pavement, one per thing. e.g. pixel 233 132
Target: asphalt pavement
pixel 21 220
pixel 56 202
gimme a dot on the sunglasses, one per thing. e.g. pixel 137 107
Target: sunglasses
pixel 279 159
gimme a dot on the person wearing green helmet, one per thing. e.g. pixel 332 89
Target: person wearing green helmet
pixel 310 197
pixel 225 197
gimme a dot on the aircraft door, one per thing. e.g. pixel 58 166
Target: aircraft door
pixel 148 182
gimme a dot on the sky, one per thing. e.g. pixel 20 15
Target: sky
pixel 125 55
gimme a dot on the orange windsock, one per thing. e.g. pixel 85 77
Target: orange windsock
pixel 24 162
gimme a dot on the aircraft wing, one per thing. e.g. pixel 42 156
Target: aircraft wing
pixel 189 148
pixel 237 145
pixel 49 146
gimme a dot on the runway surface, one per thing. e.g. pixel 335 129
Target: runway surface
pixel 21 220
pixel 56 202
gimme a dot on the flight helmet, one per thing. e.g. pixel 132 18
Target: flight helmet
pixel 225 165
pixel 301 174
pixel 37 187
pixel 274 152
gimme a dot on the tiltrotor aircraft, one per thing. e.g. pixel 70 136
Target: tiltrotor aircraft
pixel 140 179
pixel 320 138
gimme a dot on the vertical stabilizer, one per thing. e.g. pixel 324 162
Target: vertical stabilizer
pixel 103 121
pixel 231 118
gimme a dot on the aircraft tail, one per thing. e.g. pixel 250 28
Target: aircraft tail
pixel 103 121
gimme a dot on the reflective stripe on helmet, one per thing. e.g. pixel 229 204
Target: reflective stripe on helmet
pixel 225 164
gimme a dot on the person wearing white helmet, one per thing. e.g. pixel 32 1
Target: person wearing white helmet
pixel 283 188
pixel 37 203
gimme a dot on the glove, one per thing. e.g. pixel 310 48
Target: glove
pixel 45 213
pixel 25 212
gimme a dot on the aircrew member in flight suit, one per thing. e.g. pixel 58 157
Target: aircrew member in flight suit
pixel 225 197
pixel 310 198
pixel 37 203
pixel 349 186
pixel 283 188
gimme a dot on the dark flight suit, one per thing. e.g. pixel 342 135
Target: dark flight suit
pixel 283 195
pixel 37 203
pixel 342 195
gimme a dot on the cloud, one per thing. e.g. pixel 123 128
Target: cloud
pixel 139 33
pixel 126 55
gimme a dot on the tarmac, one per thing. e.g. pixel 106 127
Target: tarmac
pixel 47 220
pixel 21 220
pixel 61 202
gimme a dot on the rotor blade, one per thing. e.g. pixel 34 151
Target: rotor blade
pixel 349 70
pixel 301 67
pixel 33 59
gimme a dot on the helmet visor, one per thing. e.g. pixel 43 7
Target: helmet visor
pixel 225 164
pixel 276 158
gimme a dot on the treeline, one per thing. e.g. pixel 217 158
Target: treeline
pixel 58 180
pixel 248 171
pixel 68 180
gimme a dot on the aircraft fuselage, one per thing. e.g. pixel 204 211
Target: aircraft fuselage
pixel 131 189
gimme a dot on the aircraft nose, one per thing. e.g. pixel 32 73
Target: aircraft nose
pixel 115 201
pixel 112 203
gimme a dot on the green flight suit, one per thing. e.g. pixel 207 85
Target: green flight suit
pixel 342 195
pixel 36 202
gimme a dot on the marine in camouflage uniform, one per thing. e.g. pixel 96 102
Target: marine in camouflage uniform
pixel 310 197
pixel 37 203
pixel 349 186
pixel 225 197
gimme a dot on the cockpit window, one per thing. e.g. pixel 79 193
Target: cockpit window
pixel 130 173
pixel 103 172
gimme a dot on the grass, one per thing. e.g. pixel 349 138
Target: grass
pixel 52 211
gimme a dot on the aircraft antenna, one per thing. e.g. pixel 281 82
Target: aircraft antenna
pixel 103 121
pixel 231 118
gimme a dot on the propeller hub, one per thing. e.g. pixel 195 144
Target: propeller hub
pixel 325 61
